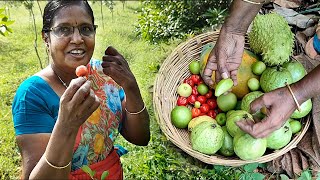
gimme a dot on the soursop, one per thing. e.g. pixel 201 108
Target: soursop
pixel 272 38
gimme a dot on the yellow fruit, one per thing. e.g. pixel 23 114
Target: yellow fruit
pixel 195 121
pixel 243 75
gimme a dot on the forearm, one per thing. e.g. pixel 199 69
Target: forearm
pixel 59 153
pixel 308 86
pixel 136 126
pixel 241 15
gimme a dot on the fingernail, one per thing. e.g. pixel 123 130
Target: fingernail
pixel 224 75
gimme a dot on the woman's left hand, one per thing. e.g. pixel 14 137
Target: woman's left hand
pixel 115 66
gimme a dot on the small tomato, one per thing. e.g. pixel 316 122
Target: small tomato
pixel 192 98
pixel 212 103
pixel 189 81
pixel 182 101
pixel 202 99
pixel 195 78
pixel 209 94
pixel 204 108
pixel 212 113
pixel 195 112
pixel 195 90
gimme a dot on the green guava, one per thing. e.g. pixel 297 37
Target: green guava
pixel 305 109
pixel 207 137
pixel 248 148
pixel 234 116
pixel 248 98
pixel 274 77
pixel 227 146
pixel 280 137
pixel 296 70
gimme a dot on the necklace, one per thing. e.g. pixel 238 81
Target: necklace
pixel 63 83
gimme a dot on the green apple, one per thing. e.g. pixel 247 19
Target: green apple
pixel 227 102
pixel 194 67
pixel 295 126
pixel 202 89
pixel 221 119
pixel 181 116
pixel 184 90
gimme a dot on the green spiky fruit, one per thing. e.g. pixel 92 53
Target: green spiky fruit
pixel 272 38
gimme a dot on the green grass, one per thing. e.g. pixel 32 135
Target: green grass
pixel 160 159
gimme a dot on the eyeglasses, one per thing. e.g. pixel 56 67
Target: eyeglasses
pixel 67 31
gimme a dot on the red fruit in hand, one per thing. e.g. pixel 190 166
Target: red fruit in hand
pixel 195 112
pixel 182 101
pixel 189 81
pixel 192 98
pixel 202 99
pixel 212 103
pixel 81 71
pixel 195 78
pixel 195 90
pixel 212 113
pixel 204 108
pixel 209 94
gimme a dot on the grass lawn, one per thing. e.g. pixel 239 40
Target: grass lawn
pixel 160 159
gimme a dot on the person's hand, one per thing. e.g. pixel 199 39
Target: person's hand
pixel 280 105
pixel 77 103
pixel 225 58
pixel 115 66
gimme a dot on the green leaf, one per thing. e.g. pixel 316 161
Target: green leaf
pixel 1 10
pixel 257 176
pixel 245 176
pixel 9 30
pixel 284 177
pixel 250 167
pixel 263 165
pixel 305 175
pixel 7 23
pixel 87 170
pixel 318 176
pixel 104 175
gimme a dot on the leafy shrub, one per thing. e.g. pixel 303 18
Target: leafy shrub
pixel 163 20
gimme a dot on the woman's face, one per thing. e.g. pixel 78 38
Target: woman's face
pixel 70 51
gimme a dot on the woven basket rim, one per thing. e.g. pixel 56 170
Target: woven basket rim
pixel 175 65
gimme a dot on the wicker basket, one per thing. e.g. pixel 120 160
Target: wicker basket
pixel 173 70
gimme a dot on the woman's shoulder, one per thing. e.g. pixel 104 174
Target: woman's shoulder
pixel 33 82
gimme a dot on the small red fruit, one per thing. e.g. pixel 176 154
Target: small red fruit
pixel 202 99
pixel 204 108
pixel 212 103
pixel 189 81
pixel 195 78
pixel 212 113
pixel 192 98
pixel 209 94
pixel 195 112
pixel 182 101
pixel 200 82
pixel 81 71
pixel 195 90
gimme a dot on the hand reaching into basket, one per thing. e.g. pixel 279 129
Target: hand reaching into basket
pixel 279 107
pixel 225 58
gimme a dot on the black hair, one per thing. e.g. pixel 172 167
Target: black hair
pixel 54 6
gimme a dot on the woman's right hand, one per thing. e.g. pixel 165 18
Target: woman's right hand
pixel 77 103
pixel 225 58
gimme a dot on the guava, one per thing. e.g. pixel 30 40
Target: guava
pixel 274 77
pixel 296 70
pixel 235 116
pixel 197 120
pixel 181 116
pixel 295 126
pixel 280 137
pixel 207 138
pixel 227 146
pixel 305 109
pixel 227 102
pixel 248 98
pixel 248 148
pixel 223 86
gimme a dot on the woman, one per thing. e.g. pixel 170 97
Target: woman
pixel 62 121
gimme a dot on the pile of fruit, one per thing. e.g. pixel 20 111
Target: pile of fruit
pixel 210 113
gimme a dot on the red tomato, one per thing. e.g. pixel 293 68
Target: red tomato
pixel 182 101
pixel 202 99
pixel 204 108
pixel 195 78
pixel 195 90
pixel 195 112
pixel 81 71
pixel 209 94
pixel 212 113
pixel 189 81
pixel 192 98
pixel 212 103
